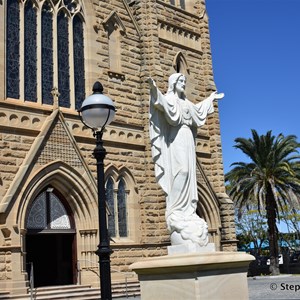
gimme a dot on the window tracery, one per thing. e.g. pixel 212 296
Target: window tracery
pixel 116 200
pixel 44 48
pixel 47 212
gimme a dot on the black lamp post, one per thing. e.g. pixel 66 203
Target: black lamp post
pixel 96 112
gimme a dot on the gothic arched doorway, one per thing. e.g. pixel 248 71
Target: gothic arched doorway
pixel 50 240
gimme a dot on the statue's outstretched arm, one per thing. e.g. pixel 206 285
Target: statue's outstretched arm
pixel 153 87
pixel 216 96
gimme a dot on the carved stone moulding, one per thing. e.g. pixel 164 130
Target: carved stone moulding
pixel 178 35
pixel 20 120
pixel 117 134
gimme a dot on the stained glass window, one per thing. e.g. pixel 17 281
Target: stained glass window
pixel 47 212
pixel 12 49
pixel 111 206
pixel 58 216
pixel 116 201
pixel 63 59
pixel 122 212
pixel 37 218
pixel 41 56
pixel 78 48
pixel 30 60
pixel 47 54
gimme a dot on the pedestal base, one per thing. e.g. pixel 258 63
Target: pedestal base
pixel 196 276
pixel 190 248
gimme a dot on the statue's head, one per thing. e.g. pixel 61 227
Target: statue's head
pixel 177 83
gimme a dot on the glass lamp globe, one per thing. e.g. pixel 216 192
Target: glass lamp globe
pixel 97 110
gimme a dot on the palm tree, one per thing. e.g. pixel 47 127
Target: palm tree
pixel 271 180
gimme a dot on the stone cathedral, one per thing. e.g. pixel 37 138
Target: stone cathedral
pixel 51 53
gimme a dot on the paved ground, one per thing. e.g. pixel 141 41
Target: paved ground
pixel 281 287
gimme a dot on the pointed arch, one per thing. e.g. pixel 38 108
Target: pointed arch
pixel 115 29
pixel 48 212
pixel 208 209
pixel 115 20
pixel 113 172
pixel 124 210
pixel 208 206
pixel 129 179
pixel 180 64
pixel 77 190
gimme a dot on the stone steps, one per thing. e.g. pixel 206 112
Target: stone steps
pixel 4 295
pixel 75 292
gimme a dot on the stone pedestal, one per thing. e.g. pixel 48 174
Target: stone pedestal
pixel 190 248
pixel 194 276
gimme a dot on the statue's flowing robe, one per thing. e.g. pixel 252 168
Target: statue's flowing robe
pixel 173 128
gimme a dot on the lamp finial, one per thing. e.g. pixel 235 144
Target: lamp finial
pixel 97 88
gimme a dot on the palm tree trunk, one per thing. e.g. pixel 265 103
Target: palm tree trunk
pixel 273 232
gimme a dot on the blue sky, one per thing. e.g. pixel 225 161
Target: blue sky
pixel 256 62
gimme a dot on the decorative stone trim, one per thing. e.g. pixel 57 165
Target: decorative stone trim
pixel 180 36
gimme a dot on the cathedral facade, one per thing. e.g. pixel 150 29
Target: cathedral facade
pixel 51 53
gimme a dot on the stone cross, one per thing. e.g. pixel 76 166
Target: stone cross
pixel 55 94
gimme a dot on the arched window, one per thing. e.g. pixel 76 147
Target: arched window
pixel 50 47
pixel 180 65
pixel 78 61
pixel 124 216
pixel 30 51
pixel 116 201
pixel 48 213
pixel 63 59
pixel 111 206
pixel 122 210
pixel 47 53
pixel 12 49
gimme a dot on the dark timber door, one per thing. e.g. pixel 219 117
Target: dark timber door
pixel 50 241
pixel 52 258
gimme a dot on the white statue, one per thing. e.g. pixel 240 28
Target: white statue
pixel 173 128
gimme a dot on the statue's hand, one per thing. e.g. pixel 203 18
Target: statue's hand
pixel 153 87
pixel 217 96
pixel 151 82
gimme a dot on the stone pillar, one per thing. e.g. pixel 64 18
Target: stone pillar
pixel 228 236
